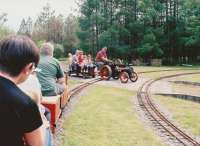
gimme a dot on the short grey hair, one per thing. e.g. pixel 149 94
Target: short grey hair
pixel 47 49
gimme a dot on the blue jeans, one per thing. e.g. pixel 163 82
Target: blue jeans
pixel 48 138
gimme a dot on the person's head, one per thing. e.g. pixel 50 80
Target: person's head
pixel 85 56
pixel 105 49
pixel 89 56
pixel 77 52
pixel 18 56
pixel 81 52
pixel 69 54
pixel 47 49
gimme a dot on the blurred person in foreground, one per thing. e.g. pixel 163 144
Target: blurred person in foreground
pixel 35 93
pixel 21 121
pixel 51 76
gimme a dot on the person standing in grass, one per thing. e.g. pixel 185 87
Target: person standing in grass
pixel 20 122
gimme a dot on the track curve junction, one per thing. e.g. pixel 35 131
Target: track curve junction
pixel 159 120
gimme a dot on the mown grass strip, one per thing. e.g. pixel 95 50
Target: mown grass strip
pixel 106 117
pixel 154 75
pixel 190 78
pixel 72 83
pixel 184 112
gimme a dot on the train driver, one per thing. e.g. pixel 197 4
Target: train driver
pixel 101 57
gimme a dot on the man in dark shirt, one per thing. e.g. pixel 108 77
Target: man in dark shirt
pixel 20 122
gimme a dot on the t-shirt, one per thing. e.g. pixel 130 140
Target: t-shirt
pixel 101 54
pixel 19 114
pixel 80 59
pixel 50 72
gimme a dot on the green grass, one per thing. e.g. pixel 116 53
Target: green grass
pixel 166 73
pixel 106 117
pixel 150 68
pixel 186 89
pixel 184 112
pixel 190 78
pixel 72 83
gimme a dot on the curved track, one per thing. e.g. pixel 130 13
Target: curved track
pixel 77 89
pixel 172 132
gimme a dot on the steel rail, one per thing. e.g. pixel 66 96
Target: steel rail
pixel 146 102
pixel 77 89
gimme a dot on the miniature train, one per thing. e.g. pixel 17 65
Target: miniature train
pixel 118 71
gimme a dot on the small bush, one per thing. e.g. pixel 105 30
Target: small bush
pixel 58 50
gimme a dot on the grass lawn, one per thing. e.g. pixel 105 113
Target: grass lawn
pixel 150 68
pixel 106 117
pixel 190 78
pixel 184 112
pixel 186 89
pixel 166 73
pixel 72 83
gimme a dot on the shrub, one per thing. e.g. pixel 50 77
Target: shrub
pixel 58 51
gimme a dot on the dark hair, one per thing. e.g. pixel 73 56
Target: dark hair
pixel 16 52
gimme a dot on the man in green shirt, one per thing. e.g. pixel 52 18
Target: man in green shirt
pixel 51 75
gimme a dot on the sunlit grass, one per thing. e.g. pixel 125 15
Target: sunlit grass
pixel 150 68
pixel 184 112
pixel 154 75
pixel 186 89
pixel 106 117
pixel 190 78
pixel 72 83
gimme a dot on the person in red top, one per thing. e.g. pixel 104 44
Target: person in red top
pixel 101 57
pixel 81 58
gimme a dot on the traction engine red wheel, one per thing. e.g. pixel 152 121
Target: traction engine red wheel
pixel 124 77
pixel 105 72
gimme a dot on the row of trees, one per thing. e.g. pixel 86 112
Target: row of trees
pixel 4 31
pixel 168 29
pixel 131 29
pixel 51 27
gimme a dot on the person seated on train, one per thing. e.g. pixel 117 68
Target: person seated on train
pixel 69 61
pixel 101 57
pixel 88 62
pixel 74 64
pixel 21 121
pixel 85 62
pixel 118 61
pixel 81 60
pixel 35 94
pixel 51 76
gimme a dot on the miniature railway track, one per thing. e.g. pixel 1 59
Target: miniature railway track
pixel 77 89
pixel 171 131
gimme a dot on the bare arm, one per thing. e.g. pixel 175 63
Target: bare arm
pixel 106 59
pixel 34 138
